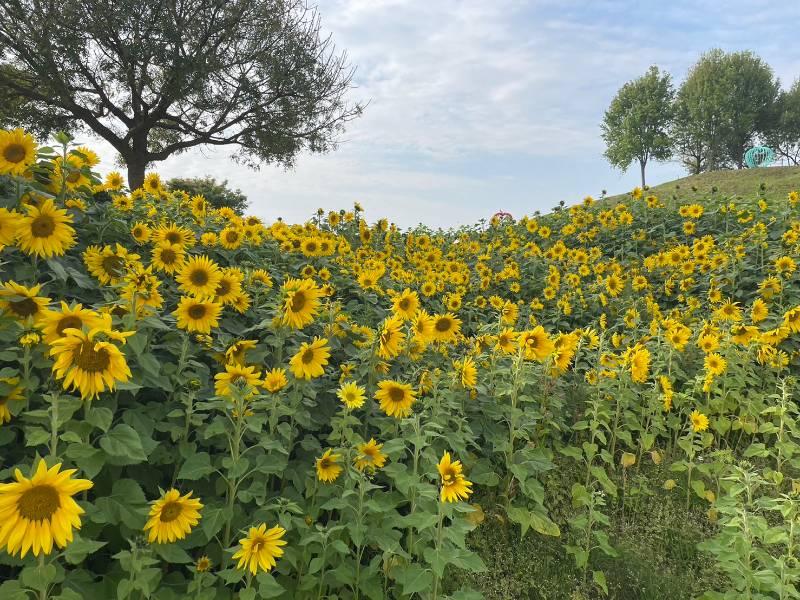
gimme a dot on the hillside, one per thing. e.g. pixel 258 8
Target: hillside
pixel 779 182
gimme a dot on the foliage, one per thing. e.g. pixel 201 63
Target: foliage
pixel 154 79
pixel 635 126
pixel 329 410
pixel 216 193
pixel 784 133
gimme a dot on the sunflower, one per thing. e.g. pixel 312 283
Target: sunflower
pixel 202 564
pixel 275 380
pixel 110 263
pixel 87 364
pixel 174 234
pixel 406 304
pixel 197 314
pixel 301 302
pixel 640 364
pixel 45 230
pixel 759 311
pixel 310 360
pixel 172 517
pixel 395 398
pixel 261 277
pixel 715 365
pixel 200 276
pixel 328 467
pixel 505 341
pixel 140 232
pixel 391 338
pixel 17 152
pixel 236 353
pixel 536 344
pixel 454 486
pixel 699 421
pixel 236 376
pixel 352 395
pixel 152 184
pixel 231 237
pixel 168 257
pixel 55 322
pixel 14 393
pixel 466 372
pixel 446 327
pixel 260 548
pixel 9 225
pixel 370 456
pixel 40 511
pixel 229 286
pixel 113 182
pixel 22 302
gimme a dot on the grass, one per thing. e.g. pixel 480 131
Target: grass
pixel 778 182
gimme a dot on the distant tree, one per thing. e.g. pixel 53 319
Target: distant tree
pixel 19 111
pixel 784 134
pixel 722 107
pixel 218 194
pixel 636 124
pixel 156 78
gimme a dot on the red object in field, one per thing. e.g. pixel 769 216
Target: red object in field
pixel 503 215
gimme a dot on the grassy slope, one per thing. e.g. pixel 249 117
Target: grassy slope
pixel 779 182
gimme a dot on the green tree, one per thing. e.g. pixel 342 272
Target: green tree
pixel 156 78
pixel 726 102
pixel 19 111
pixel 636 124
pixel 784 134
pixel 218 194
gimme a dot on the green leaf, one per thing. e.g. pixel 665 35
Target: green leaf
pixel 414 579
pixel 537 521
pixel 79 549
pixel 172 553
pixel 268 587
pixel 123 445
pixel 600 579
pixel 196 467
pixel 100 417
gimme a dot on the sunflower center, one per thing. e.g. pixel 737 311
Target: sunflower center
pixel 325 463
pixel 308 356
pixel 114 265
pixel 73 177
pixel 39 503
pixel 173 237
pixel 224 288
pixel 197 311
pixel 24 308
pixel 91 360
pixel 168 256
pixel 396 394
pixel 232 237
pixel 199 277
pixel 43 226
pixel 68 322
pixel 14 153
pixel 443 325
pixel 298 301
pixel 404 304
pixel 170 511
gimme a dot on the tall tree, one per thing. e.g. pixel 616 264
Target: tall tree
pixel 725 103
pixel 156 78
pixel 636 124
pixel 216 193
pixel 784 134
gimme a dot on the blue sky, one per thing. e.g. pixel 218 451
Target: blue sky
pixel 482 105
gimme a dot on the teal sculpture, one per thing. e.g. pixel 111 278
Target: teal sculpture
pixel 759 156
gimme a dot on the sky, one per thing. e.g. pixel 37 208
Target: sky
pixel 477 106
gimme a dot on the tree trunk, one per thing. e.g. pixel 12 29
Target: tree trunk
pixel 641 166
pixel 136 169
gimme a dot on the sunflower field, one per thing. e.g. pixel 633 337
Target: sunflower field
pixel 196 404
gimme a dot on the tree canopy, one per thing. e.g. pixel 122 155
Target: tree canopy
pixel 216 193
pixel 156 78
pixel 635 126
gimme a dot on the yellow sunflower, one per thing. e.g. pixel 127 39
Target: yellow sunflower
pixel 197 315
pixel 55 322
pixel 229 286
pixel 352 395
pixel 422 325
pixel 22 302
pixel 199 276
pixel 454 486
pixel 231 237
pixel 467 372
pixel 236 376
pixel 17 151
pixel 140 232
pixel 275 380
pixel 110 264
pixel 168 257
pixel 38 512
pixel 9 225
pixel 391 338
pixel 328 467
pixel 369 456
pixel 396 399
pixel 13 394
pixel 536 344
pixel 174 234
pixel 172 517
pixel 45 230
pixel 87 364
pixel 310 360
pixel 301 302
pixel 260 548
pixel 446 327
pixel 699 421
pixel 406 304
